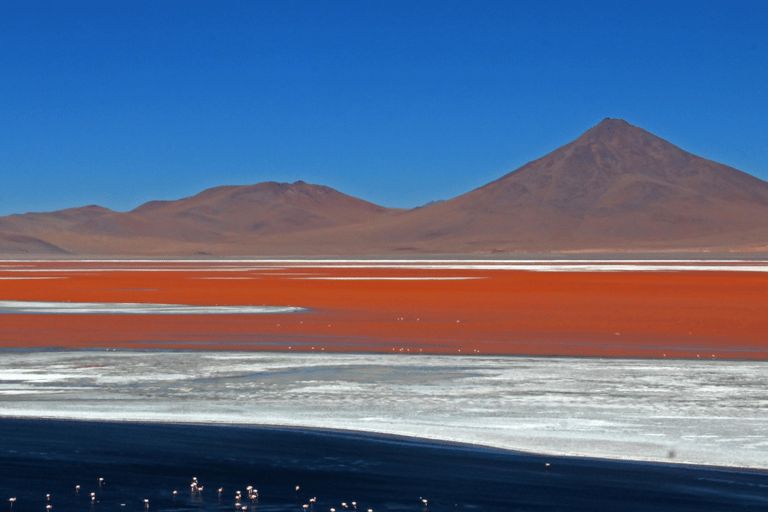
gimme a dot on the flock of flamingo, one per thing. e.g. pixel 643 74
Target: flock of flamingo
pixel 242 502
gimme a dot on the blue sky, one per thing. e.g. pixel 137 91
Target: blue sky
pixel 399 103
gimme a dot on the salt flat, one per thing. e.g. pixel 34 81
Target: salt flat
pixel 683 411
pixel 123 308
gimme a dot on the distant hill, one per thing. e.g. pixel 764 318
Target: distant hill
pixel 230 215
pixel 616 187
pixel 11 243
pixel 431 203
pixel 265 208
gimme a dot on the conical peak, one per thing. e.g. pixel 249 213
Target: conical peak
pixel 610 120
pixel 610 126
pixel 619 133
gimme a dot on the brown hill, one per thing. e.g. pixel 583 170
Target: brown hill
pixel 230 215
pixel 13 243
pixel 617 187
pixel 265 208
pixel 31 233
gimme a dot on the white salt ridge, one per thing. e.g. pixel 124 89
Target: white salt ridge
pixel 380 278
pixel 527 265
pixel 704 412
pixel 223 277
pixel 231 262
pixel 34 277
pixel 14 306
pixel 561 267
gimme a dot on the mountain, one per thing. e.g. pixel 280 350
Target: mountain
pixel 431 203
pixel 265 208
pixel 11 243
pixel 230 215
pixel 615 188
pixel 27 233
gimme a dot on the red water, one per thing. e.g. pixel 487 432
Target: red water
pixel 614 314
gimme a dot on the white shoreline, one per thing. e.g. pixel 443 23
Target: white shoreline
pixel 707 412
pixel 509 265
pixel 127 308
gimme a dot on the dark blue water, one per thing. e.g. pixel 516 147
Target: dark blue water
pixel 150 461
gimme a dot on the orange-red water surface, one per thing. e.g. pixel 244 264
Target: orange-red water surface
pixel 704 314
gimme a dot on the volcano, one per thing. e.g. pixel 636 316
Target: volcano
pixel 615 188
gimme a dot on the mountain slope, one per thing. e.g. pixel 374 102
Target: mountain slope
pixel 13 243
pixel 616 186
pixel 228 215
pixel 265 208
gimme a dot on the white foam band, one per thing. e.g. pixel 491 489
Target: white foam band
pixel 380 278
pixel 13 306
pixel 531 265
pixel 33 277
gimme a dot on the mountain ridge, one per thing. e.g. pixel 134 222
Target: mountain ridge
pixel 616 186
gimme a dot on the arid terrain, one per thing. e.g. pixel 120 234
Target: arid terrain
pixel 616 188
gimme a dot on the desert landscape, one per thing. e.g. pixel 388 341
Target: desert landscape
pixel 383 257
pixel 615 192
pixel 616 188
pixel 618 263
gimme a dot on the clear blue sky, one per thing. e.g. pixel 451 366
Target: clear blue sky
pixel 119 102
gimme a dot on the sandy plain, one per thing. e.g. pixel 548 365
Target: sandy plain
pixel 658 309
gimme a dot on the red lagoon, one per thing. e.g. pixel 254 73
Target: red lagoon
pixel 388 309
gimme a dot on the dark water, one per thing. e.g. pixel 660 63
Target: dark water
pixel 150 461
